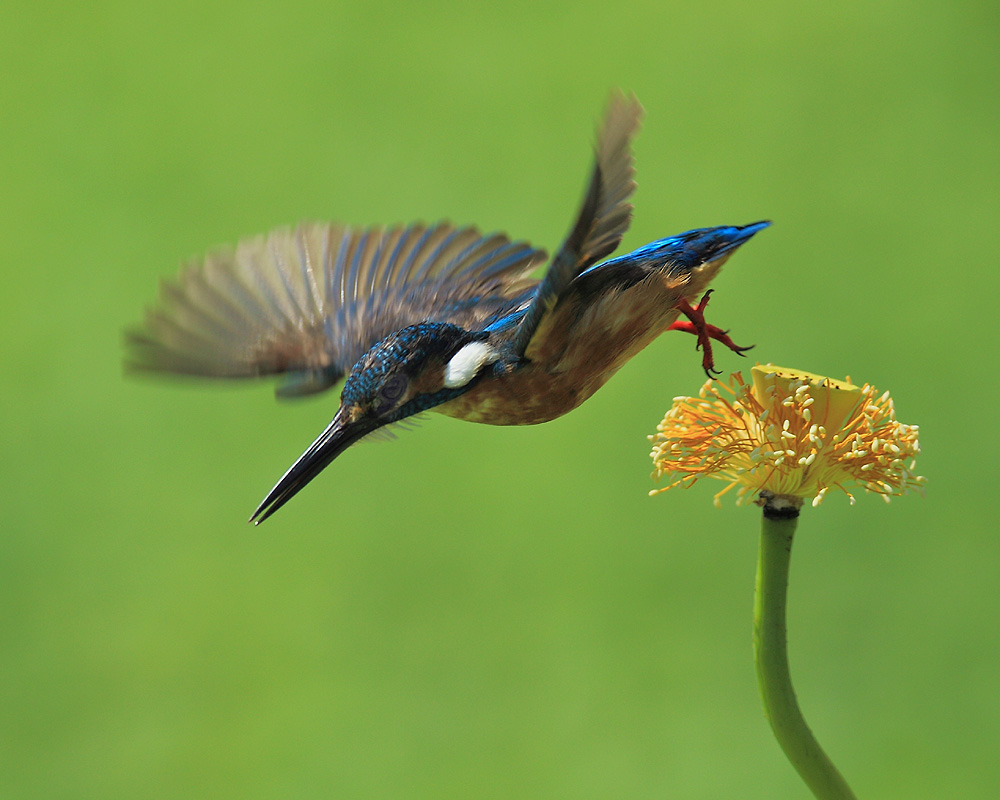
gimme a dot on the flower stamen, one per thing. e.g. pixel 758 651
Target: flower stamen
pixel 773 434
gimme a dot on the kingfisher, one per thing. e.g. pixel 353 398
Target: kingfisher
pixel 439 317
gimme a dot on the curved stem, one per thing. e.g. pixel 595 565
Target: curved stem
pixel 771 657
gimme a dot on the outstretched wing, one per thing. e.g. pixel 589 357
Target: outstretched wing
pixel 602 220
pixel 311 300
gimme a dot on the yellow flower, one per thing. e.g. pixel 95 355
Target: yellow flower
pixel 788 433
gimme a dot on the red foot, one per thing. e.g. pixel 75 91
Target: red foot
pixel 705 333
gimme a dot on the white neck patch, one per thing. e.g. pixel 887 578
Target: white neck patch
pixel 467 362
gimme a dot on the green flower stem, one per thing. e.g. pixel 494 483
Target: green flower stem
pixel 771 657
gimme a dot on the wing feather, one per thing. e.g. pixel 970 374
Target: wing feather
pixel 602 220
pixel 311 300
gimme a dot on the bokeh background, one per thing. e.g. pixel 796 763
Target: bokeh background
pixel 468 611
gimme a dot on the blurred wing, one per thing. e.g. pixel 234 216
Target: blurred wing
pixel 603 218
pixel 312 300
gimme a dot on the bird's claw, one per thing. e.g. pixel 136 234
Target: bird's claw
pixel 697 325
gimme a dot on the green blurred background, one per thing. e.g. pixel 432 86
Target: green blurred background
pixel 470 611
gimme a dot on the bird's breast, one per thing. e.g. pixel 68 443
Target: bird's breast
pixel 576 350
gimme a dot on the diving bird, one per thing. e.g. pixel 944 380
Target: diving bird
pixel 439 317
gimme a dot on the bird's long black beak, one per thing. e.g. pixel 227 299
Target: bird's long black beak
pixel 338 436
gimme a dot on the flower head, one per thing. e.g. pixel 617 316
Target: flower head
pixel 787 433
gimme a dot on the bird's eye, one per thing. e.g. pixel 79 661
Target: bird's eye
pixel 393 388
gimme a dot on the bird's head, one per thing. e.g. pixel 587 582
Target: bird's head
pixel 411 370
